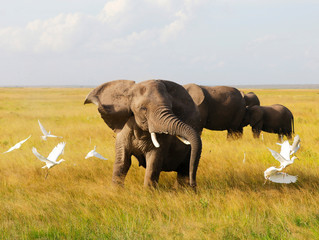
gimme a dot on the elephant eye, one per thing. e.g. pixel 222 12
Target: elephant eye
pixel 143 109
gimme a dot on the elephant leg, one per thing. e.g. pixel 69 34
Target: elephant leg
pixel 154 161
pixel 122 163
pixel 256 132
pixel 230 134
pixel 280 137
pixel 235 134
pixel 182 179
pixel 288 134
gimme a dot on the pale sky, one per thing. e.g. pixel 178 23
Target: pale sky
pixel 208 42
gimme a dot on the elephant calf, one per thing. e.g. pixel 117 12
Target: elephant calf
pixel 273 119
pixel 251 99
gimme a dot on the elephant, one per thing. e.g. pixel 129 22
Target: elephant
pixel 273 119
pixel 220 107
pixel 157 122
pixel 251 99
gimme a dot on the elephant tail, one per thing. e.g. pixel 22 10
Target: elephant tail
pixel 293 124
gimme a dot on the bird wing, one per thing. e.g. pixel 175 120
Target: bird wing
pixel 42 129
pixel 296 144
pixel 99 156
pixel 50 135
pixel 294 150
pixel 285 150
pixel 12 148
pixel 23 141
pixel 56 152
pixel 17 145
pixel 41 158
pixel 90 154
pixel 277 156
pixel 280 177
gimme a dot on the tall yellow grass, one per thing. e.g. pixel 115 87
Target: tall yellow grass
pixel 78 201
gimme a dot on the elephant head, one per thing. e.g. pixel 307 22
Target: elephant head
pixel 251 99
pixel 158 107
pixel 254 117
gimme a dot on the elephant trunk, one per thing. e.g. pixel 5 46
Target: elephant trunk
pixel 163 120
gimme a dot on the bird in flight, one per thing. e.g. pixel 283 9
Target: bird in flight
pixel 284 156
pixel 275 175
pixel 51 160
pixel 18 145
pixel 93 153
pixel 295 145
pixel 45 133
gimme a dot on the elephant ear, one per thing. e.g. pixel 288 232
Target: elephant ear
pixel 196 93
pixel 113 101
pixel 255 115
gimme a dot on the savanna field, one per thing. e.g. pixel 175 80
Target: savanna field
pixel 78 200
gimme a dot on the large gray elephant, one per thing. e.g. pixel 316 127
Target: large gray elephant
pixel 148 118
pixel 220 107
pixel 251 99
pixel 273 119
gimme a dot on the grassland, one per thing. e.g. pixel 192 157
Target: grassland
pixel 78 201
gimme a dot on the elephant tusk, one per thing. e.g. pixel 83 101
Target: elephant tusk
pixel 183 140
pixel 154 140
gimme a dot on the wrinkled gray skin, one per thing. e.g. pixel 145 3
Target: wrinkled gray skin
pixel 251 99
pixel 134 111
pixel 273 119
pixel 221 108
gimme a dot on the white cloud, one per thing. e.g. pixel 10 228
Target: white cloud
pixel 118 25
pixel 261 41
pixel 114 11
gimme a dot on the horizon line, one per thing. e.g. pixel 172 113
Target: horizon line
pixel 248 86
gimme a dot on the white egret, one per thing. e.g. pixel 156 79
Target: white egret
pixel 295 145
pixel 275 175
pixel 18 145
pixel 45 133
pixel 51 160
pixel 93 153
pixel 284 156
pixel 244 160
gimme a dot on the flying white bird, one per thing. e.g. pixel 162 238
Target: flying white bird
pixel 284 156
pixel 51 160
pixel 93 153
pixel 295 145
pixel 275 175
pixel 45 133
pixel 18 145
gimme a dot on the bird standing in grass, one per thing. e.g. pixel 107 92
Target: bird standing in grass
pixel 93 153
pixel 18 145
pixel 45 133
pixel 51 160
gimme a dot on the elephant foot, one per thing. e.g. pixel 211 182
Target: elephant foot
pixel 234 134
pixel 118 181
pixel 150 184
